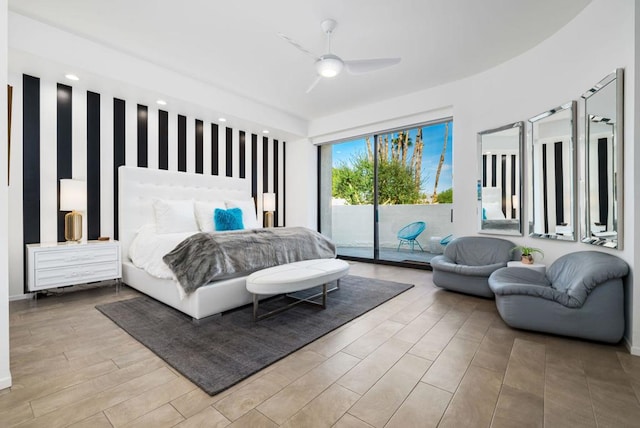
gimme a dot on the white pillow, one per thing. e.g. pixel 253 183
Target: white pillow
pixel 493 211
pixel 248 208
pixel 174 216
pixel 204 214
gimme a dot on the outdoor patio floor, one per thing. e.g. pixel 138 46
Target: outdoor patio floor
pixel 390 254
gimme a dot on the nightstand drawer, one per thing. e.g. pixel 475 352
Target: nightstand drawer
pixel 76 256
pixel 79 274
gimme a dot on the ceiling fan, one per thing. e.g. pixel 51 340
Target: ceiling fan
pixel 330 65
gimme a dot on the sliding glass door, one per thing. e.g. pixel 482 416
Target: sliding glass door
pixel 347 197
pixel 388 197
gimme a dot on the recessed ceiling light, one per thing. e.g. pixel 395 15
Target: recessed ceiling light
pixel 222 119
pixel 72 77
pixel 161 102
pixel 266 131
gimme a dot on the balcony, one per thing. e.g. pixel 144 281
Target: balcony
pixel 352 230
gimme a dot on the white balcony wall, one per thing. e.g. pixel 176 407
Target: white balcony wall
pixel 353 224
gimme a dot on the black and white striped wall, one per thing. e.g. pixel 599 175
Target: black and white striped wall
pixel 552 201
pixel 601 183
pixel 66 132
pixel 501 171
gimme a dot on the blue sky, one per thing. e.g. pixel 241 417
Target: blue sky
pixel 432 136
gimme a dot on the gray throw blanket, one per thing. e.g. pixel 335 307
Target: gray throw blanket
pixel 205 257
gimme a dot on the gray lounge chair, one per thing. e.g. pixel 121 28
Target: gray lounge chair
pixel 467 263
pixel 581 295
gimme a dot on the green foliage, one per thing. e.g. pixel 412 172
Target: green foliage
pixel 396 183
pixel 527 251
pixel 446 196
pixel 354 184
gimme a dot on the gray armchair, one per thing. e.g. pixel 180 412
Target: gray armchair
pixel 467 263
pixel 581 295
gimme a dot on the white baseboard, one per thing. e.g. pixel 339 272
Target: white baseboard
pixel 21 297
pixel 5 382
pixel 634 350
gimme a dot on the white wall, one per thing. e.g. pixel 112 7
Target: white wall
pixel 633 100
pixel 302 182
pixel 5 374
pixel 352 225
pixel 558 70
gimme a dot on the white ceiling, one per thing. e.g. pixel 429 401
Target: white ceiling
pixel 234 44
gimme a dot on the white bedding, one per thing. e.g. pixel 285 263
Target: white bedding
pixel 148 248
pixel 138 187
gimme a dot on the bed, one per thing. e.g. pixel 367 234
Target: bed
pixel 136 190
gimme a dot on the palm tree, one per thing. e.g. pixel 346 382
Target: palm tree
pixel 434 198
pixel 416 158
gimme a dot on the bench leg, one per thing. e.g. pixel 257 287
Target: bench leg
pixel 296 301
pixel 324 296
pixel 255 307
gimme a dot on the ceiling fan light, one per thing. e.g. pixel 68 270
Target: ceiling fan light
pixel 329 66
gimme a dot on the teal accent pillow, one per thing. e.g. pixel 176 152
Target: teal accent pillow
pixel 230 219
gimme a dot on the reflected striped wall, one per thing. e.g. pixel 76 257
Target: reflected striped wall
pixel 500 172
pixel 554 209
pixel 75 133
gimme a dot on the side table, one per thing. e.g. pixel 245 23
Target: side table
pixel 535 266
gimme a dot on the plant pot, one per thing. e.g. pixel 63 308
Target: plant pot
pixel 527 260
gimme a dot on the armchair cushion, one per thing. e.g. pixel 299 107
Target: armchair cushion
pixel 525 282
pixel 479 251
pixel 581 295
pixel 446 264
pixel 577 274
pixel 467 263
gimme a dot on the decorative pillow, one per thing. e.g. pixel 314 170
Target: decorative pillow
pixel 493 211
pixel 174 216
pixel 204 214
pixel 248 207
pixel 230 219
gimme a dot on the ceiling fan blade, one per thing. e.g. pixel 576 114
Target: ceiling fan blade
pixel 313 85
pixel 298 46
pixel 361 66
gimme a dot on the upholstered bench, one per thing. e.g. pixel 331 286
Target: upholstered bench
pixel 296 276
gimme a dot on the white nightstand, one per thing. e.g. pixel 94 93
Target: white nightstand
pixel 535 266
pixel 61 264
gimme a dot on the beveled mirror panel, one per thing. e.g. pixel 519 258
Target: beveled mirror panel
pixel 604 159
pixel 500 180
pixel 553 172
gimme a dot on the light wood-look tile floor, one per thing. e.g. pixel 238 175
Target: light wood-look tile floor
pixel 426 358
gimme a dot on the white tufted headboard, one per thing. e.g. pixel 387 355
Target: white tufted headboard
pixel 137 187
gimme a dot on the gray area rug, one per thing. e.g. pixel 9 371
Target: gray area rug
pixel 221 351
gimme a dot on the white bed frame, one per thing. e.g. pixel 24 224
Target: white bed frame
pixel 136 190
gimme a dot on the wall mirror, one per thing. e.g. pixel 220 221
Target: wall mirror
pixel 500 179
pixel 603 106
pixel 553 169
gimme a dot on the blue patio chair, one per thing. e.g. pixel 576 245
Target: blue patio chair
pixel 409 233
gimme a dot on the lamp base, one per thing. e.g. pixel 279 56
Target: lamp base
pixel 268 219
pixel 73 226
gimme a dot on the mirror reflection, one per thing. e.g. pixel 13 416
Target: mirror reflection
pixel 553 174
pixel 603 154
pixel 500 180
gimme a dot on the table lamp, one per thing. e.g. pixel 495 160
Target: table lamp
pixel 73 197
pixel 268 206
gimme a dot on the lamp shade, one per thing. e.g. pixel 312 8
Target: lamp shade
pixel 73 195
pixel 329 66
pixel 268 201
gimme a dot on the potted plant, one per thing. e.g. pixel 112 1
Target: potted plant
pixel 527 253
